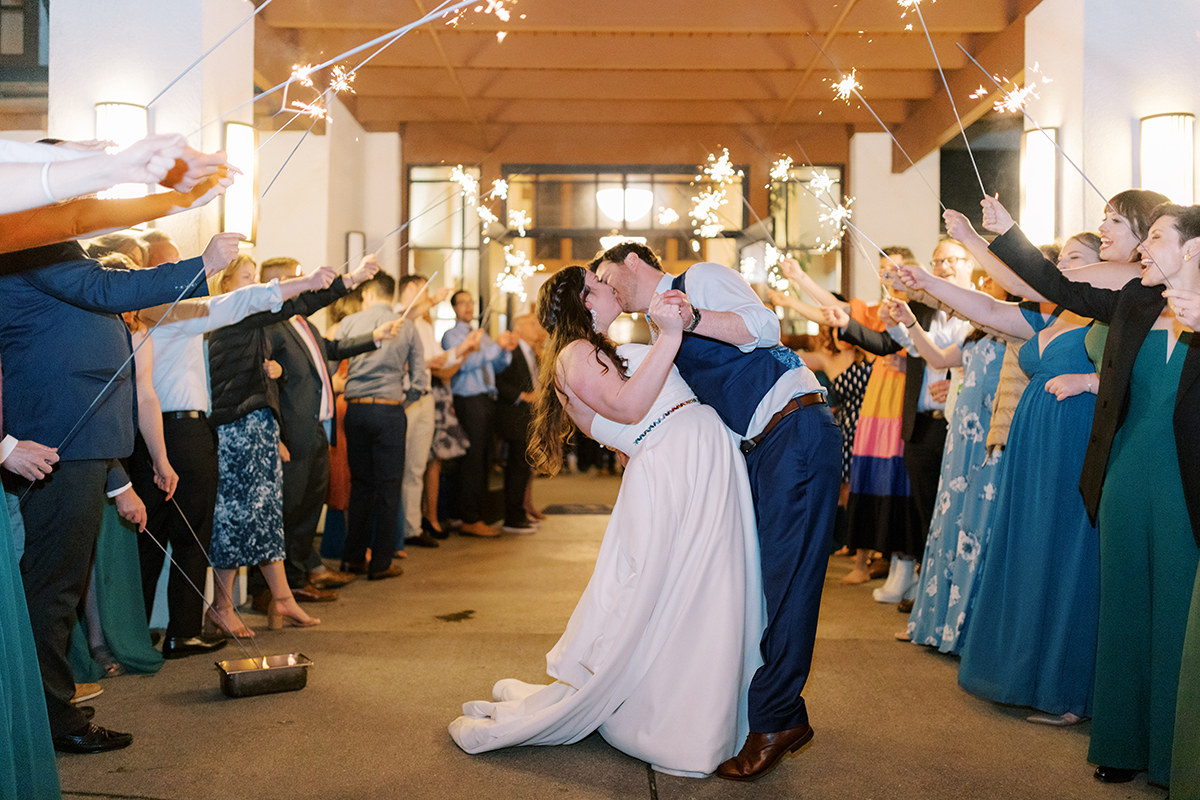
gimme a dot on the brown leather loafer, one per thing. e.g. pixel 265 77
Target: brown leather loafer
pixel 331 579
pixel 311 594
pixel 395 570
pixel 762 752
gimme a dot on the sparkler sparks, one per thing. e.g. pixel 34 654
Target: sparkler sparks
pixel 667 216
pixel 467 182
pixel 519 219
pixel 847 86
pixel 979 93
pixel 1014 100
pixel 706 205
pixel 517 270
pixel 501 9
pixel 499 190
pixel 314 109
pixel 781 170
pixel 342 81
pixel 485 215
pixel 821 181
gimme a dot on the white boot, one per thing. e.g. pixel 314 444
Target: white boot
pixel 900 578
pixel 889 584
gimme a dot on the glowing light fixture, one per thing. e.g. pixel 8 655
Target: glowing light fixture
pixel 1168 156
pixel 238 204
pixel 1039 185
pixel 122 124
pixel 629 204
pixel 615 239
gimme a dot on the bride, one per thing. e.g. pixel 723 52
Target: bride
pixel 659 652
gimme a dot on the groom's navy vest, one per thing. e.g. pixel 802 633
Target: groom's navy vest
pixel 724 377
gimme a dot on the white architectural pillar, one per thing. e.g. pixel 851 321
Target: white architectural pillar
pixel 1111 63
pixel 891 209
pixel 100 52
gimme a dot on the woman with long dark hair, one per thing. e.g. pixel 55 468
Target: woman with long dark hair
pixel 659 652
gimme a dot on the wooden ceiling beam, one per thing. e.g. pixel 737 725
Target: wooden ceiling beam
pixel 932 122
pixel 599 112
pixel 623 84
pixel 622 16
pixel 524 50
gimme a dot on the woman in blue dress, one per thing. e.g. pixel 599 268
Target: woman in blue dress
pixel 1031 640
pixel 965 490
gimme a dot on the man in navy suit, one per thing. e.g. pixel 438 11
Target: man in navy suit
pixel 306 406
pixel 514 399
pixel 69 382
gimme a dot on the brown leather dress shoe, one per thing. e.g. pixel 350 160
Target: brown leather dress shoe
pixel 311 594
pixel 331 579
pixel 395 570
pixel 478 529
pixel 762 752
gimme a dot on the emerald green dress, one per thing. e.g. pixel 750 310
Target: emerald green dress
pixel 1185 757
pixel 117 575
pixel 27 767
pixel 1148 560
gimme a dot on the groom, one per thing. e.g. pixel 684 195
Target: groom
pixel 732 358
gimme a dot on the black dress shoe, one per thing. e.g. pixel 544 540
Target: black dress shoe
pixel 175 647
pixel 1115 774
pixel 92 739
pixel 424 540
pixel 395 570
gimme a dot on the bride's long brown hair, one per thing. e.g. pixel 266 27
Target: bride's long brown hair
pixel 561 311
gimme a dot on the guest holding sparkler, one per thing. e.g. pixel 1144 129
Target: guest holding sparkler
pixel 1149 530
pixel 248 519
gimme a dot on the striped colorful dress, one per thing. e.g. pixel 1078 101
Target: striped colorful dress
pixel 879 508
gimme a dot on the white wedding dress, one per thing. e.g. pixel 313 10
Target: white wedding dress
pixel 659 652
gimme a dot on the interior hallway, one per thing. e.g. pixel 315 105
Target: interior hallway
pixel 394 660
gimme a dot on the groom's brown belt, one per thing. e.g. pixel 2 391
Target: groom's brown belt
pixel 795 404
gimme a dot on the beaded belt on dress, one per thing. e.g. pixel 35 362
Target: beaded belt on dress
pixel 665 414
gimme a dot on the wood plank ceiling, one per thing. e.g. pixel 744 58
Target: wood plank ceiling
pixel 635 74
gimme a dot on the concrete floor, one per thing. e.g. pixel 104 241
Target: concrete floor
pixel 394 660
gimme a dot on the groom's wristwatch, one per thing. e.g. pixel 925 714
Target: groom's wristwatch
pixel 691 326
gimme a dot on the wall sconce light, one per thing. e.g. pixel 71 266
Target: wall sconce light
pixel 1168 156
pixel 1039 185
pixel 629 204
pixel 238 203
pixel 123 124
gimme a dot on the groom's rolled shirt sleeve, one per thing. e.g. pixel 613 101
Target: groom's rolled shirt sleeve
pixel 719 288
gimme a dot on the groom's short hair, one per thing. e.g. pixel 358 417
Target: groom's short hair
pixel 618 253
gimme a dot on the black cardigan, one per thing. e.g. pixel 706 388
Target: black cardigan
pixel 1130 313
pixel 236 353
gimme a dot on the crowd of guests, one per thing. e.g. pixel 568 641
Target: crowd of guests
pixel 1019 458
pixel 182 415
pixel 1025 475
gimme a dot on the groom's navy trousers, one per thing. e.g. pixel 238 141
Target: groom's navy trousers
pixel 795 474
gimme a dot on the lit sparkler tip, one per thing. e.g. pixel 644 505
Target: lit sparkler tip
pixel 519 219
pixel 847 86
pixel 313 109
pixel 500 36
pixel 820 181
pixel 1015 99
pixel 667 216
pixel 342 80
pixel 499 190
pixel 781 170
pixel 303 74
pixel 467 183
pixel 979 93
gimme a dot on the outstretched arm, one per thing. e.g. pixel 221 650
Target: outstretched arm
pixel 936 357
pixel 1005 318
pixel 960 228
pixel 589 377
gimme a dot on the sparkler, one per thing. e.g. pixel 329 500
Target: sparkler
pixel 208 52
pixel 883 125
pixel 519 219
pixel 517 270
pixel 706 205
pixel 1035 124
pixel 667 216
pixel 915 5
pixel 499 190
pixel 467 182
pixel 846 86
